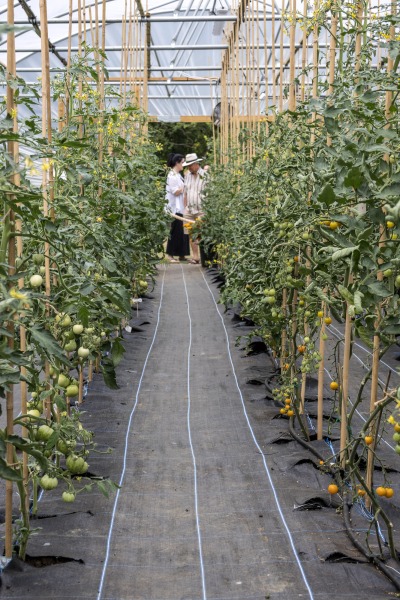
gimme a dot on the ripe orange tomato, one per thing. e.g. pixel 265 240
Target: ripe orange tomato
pixel 333 488
pixel 334 385
pixel 368 439
pixel 381 491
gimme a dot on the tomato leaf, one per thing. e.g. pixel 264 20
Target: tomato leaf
pixel 327 195
pixel 25 446
pixel 354 178
pixel 379 289
pixel 343 252
pixel 117 352
pixel 8 473
pixel 109 375
pixel 47 343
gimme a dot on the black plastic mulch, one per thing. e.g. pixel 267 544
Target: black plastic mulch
pixel 243 523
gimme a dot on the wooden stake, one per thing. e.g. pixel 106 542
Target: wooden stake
pixel 344 391
pixel 273 56
pixel 281 61
pixel 321 377
pixel 11 108
pixel 304 54
pixel 292 64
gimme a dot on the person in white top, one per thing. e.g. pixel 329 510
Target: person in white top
pixel 195 180
pixel 177 244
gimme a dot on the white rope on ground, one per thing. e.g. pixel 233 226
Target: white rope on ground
pixel 196 500
pixel 121 481
pixel 278 505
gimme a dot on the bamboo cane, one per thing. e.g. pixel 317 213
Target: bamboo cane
pixel 344 391
pixel 273 54
pixel 67 88
pixel 284 332
pixel 46 133
pixel 304 53
pixel 80 387
pixel 292 63
pixel 321 373
pixel 281 60
pixel 8 548
pixel 266 75
pixel 376 341
pixel 90 371
pixel 369 476
pixel 84 20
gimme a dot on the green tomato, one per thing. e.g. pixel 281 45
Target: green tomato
pixel 65 321
pixel 76 464
pixel 66 446
pixel 83 352
pixel 68 496
pixel 36 281
pixel 48 483
pixel 388 272
pixel 70 346
pixel 44 433
pixel 77 329
pixel 35 405
pixel 306 340
pixel 33 414
pixel 397 449
pixel 63 380
pixel 143 284
pixel 38 259
pixel 71 391
pixel 396 437
pixel 397 281
pixel 270 300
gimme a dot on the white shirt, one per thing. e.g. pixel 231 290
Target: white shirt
pixel 174 183
pixel 194 185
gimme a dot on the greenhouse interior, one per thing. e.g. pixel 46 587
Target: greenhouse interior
pixel 200 299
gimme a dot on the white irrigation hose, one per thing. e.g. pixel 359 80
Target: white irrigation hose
pixel 291 541
pixel 121 481
pixel 196 500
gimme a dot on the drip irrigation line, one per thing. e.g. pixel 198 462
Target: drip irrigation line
pixel 286 526
pixel 370 557
pixel 196 499
pixel 367 351
pixel 367 514
pixel 346 513
pixel 121 481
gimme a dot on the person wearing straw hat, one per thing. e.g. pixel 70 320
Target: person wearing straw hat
pixel 195 180
pixel 177 244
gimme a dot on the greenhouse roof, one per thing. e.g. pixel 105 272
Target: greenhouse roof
pixel 174 57
pixel 187 43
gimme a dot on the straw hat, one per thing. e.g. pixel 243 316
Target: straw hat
pixel 190 159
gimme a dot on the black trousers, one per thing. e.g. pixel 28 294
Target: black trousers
pixel 178 241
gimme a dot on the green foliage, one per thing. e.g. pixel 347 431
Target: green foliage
pixel 182 138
